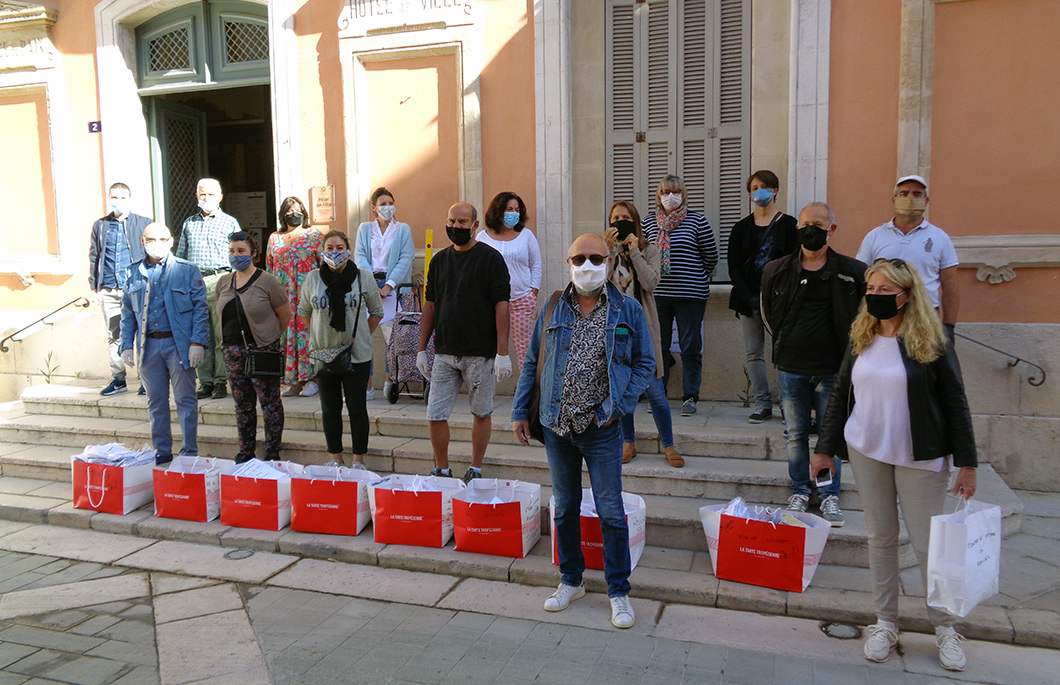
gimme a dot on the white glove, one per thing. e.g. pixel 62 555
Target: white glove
pixel 502 367
pixel 127 357
pixel 421 364
pixel 98 297
pixel 196 353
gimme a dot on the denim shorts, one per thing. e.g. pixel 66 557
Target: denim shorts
pixel 449 373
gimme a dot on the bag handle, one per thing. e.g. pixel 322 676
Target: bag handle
pixel 102 487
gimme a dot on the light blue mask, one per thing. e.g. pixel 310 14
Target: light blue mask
pixel 511 219
pixel 240 262
pixel 763 196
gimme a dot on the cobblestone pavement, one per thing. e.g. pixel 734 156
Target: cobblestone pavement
pixel 255 618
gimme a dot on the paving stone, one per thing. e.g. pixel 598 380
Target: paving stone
pixel 84 593
pixel 1040 526
pixel 988 662
pixel 51 489
pixel 94 625
pixel 200 602
pixel 21 486
pixel 55 620
pixel 126 630
pixel 48 639
pixel 846 606
pixel 1034 627
pixel 667 585
pixel 69 516
pixel 11 652
pixel 352 549
pixel 68 668
pixel 207 560
pixel 141 675
pixel 662 557
pixel 129 652
pixel 208 647
pixel 445 560
pixel 733 595
pixel 27 508
pixel 164 583
pixel 366 581
pixel 86 545
pixel 121 525
pixel 8 527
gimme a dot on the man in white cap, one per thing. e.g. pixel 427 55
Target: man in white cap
pixel 912 238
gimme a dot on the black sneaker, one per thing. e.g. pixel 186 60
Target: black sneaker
pixel 141 391
pixel 760 416
pixel 163 459
pixel 116 386
pixel 471 475
pixel 441 473
pixel 205 391
pixel 220 391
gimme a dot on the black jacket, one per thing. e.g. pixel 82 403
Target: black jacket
pixel 746 276
pixel 938 410
pixel 134 230
pixel 783 289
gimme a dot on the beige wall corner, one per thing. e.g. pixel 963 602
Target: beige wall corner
pixel 914 87
pixel 770 92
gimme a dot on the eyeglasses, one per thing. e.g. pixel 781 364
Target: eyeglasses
pixel 897 263
pixel 238 235
pixel 579 259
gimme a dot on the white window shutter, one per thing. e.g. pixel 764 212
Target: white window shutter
pixel 623 79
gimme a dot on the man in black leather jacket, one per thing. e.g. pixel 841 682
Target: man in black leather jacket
pixel 809 300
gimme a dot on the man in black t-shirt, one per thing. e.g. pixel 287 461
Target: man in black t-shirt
pixel 809 301
pixel 466 307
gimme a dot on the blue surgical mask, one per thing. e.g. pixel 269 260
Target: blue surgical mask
pixel 511 219
pixel 336 260
pixel 240 262
pixel 763 196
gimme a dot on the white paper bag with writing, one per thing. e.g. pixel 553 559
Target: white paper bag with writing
pixel 964 557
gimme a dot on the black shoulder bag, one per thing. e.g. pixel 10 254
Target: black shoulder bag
pixel 259 363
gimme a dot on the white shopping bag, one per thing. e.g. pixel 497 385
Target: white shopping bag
pixel 112 478
pixel 964 557
pixel 257 494
pixel 592 532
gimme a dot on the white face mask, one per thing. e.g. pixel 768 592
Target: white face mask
pixel 386 212
pixel 209 206
pixel 588 279
pixel 671 201
pixel 158 249
pixel 119 207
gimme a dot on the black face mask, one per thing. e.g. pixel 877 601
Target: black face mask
pixel 882 306
pixel 293 220
pixel 459 236
pixel 813 238
pixel 625 228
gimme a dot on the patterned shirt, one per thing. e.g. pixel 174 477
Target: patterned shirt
pixel 586 368
pixel 204 240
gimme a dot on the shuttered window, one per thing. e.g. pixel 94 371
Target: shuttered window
pixel 677 82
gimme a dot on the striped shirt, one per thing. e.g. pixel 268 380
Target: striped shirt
pixel 693 256
pixel 204 240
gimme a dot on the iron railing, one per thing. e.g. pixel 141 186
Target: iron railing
pixel 1032 379
pixel 80 303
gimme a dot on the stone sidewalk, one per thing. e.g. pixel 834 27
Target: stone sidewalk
pixel 81 606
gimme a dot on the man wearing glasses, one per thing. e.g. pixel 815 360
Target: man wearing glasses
pixel 809 301
pixel 204 242
pixel 597 360
pixel 914 239
pixel 466 307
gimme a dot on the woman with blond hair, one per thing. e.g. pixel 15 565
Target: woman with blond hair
pixel 899 411
pixel 688 254
pixel 634 270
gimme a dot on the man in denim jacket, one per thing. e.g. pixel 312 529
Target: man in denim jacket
pixel 597 338
pixel 164 316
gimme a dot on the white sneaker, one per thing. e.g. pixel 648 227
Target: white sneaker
pixel 798 502
pixel 622 612
pixel 309 389
pixel 951 654
pixel 831 512
pixel 563 596
pixel 370 395
pixel 882 639
pixel 359 466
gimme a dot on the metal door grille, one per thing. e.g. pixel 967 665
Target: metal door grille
pixel 170 51
pixel 245 42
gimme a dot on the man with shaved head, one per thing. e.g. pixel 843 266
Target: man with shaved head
pixel 164 324
pixel 466 308
pixel 596 358
pixel 204 242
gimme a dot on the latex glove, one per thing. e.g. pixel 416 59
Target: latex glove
pixel 98 298
pixel 127 357
pixel 422 365
pixel 502 367
pixel 196 353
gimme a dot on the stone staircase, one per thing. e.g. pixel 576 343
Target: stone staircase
pixel 726 457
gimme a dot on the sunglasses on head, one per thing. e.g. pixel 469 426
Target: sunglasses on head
pixel 238 235
pixel 898 263
pixel 579 259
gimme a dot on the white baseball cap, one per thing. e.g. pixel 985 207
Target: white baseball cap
pixel 912 177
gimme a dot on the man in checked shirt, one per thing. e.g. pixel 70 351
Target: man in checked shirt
pixel 204 242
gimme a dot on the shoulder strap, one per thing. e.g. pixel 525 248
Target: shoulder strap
pixel 551 307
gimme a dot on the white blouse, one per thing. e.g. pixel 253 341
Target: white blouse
pixel 523 257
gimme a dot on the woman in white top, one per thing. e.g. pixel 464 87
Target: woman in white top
pixel 505 220
pixel 384 247
pixel 899 411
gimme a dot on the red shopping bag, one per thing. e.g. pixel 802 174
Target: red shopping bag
pixel 111 489
pixel 761 553
pixel 264 502
pixel 592 534
pixel 508 528
pixel 190 489
pixel 421 515
pixel 330 499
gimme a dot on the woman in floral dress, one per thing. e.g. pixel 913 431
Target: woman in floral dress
pixel 293 252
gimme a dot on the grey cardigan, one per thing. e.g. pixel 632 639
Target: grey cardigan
pixel 646 268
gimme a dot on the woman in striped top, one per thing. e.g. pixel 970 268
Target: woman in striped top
pixel 688 254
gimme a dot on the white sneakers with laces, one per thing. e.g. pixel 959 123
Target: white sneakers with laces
pixel 563 596
pixel 622 612
pixel 798 502
pixel 881 640
pixel 951 654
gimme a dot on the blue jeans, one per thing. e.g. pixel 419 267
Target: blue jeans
pixel 660 411
pixel 159 368
pixel 689 316
pixel 799 396
pixel 601 449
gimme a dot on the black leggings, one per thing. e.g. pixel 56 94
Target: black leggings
pixel 332 387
